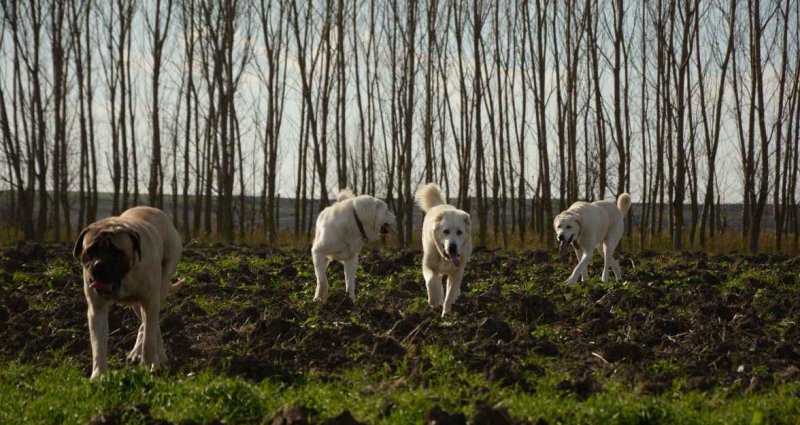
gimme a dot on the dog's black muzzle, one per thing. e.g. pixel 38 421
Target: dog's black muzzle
pixel 452 250
pixel 106 276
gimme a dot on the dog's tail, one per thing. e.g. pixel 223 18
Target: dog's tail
pixel 173 288
pixel 343 194
pixel 624 203
pixel 429 196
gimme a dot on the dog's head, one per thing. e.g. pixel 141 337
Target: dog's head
pixel 376 216
pixel 107 250
pixel 568 228
pixel 452 234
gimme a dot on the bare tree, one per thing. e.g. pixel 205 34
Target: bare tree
pixel 158 36
pixel 274 76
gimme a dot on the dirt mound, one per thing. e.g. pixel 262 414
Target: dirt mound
pixel 437 416
pixel 139 413
pixel 22 254
pixel 494 329
pixel 337 302
pixel 376 264
pixel 291 416
pixel 582 388
pixel 344 418
pixel 536 309
pixel 619 351
pixel 488 415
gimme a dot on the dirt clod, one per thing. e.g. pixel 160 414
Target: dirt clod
pixel 617 351
pixel 438 416
pixel 16 303
pixel 296 415
pixel 496 329
pixel 488 415
pixel 582 388
pixel 344 418
pixel 387 346
pixel 533 308
pixel 139 413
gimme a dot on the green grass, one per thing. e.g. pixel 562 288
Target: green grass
pixel 64 395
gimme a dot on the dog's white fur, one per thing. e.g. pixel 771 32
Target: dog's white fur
pixel 145 287
pixel 446 246
pixel 593 225
pixel 338 238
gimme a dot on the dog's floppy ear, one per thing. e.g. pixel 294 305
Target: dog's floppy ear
pixel 77 251
pixel 137 243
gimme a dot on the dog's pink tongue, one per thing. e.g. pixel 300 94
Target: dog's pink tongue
pixel 100 286
pixel 563 248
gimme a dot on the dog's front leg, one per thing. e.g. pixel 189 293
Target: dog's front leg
pixel 98 334
pixel 350 267
pixel 579 255
pixel 320 264
pixel 581 268
pixel 151 351
pixel 453 290
pixel 433 282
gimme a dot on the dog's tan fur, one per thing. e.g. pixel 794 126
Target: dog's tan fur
pixel 151 248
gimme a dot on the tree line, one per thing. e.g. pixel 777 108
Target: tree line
pixel 517 109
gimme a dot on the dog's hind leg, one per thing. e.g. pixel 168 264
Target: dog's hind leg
pixel 433 282
pixel 610 245
pixel 614 265
pixel 608 260
pixel 136 354
pixel 320 264
pixel 350 267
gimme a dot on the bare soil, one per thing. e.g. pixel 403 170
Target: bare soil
pixel 706 321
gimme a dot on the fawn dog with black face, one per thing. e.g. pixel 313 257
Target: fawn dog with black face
pixel 129 260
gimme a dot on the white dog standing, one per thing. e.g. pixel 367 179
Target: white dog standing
pixel 341 231
pixel 446 246
pixel 588 225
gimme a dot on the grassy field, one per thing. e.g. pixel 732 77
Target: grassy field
pixel 684 339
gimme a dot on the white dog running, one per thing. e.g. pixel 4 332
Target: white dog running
pixel 587 225
pixel 446 246
pixel 341 231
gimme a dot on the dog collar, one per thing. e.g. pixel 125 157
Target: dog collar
pixel 360 226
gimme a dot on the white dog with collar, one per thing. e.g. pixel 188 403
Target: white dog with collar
pixel 342 230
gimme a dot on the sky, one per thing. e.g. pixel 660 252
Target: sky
pixel 252 94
